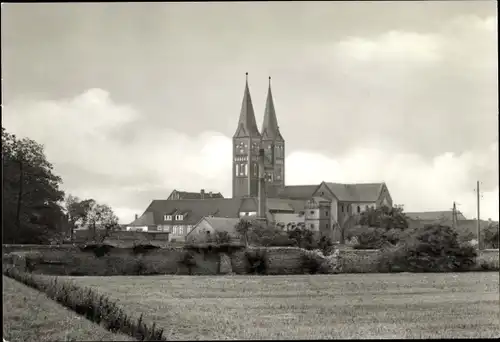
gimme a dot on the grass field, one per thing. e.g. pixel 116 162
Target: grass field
pixel 28 315
pixel 312 307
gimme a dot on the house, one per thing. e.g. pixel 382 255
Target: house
pixel 142 224
pixel 180 216
pixel 206 229
pixel 184 195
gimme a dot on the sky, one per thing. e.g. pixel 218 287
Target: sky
pixel 134 100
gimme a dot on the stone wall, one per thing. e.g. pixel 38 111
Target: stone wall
pixel 359 260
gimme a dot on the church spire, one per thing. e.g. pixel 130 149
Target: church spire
pixel 247 126
pixel 270 128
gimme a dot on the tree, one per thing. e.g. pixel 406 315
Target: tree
pixel 243 228
pixel 96 214
pixel 384 217
pixel 432 248
pixel 31 194
pixel 75 212
pixel 375 227
pixel 490 235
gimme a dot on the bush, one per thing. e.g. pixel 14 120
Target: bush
pixel 98 249
pixel 257 261
pixel 94 307
pixel 434 248
pixel 222 237
pixel 141 249
pixel 312 261
pixel 490 236
pixel 188 261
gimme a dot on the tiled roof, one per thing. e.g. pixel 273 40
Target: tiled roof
pixel 303 192
pixel 220 224
pixel 434 215
pixel 361 192
pixel 145 219
pixel 224 207
pixel 184 195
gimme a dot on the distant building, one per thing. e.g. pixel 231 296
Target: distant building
pixel 434 215
pixel 207 228
pixel 185 195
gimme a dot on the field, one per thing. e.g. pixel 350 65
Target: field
pixel 28 315
pixel 462 305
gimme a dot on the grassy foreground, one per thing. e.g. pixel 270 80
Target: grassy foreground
pixel 460 305
pixel 30 315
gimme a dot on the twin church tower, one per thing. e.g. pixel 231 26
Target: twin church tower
pixel 247 141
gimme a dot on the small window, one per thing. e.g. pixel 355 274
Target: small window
pixel 326 213
pixel 237 169
pixel 359 209
pixel 312 212
pixel 168 217
pixel 179 217
pixel 342 208
pixel 312 225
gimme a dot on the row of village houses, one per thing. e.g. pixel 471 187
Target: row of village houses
pixel 320 208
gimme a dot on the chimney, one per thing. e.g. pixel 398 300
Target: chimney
pixel 136 216
pixel 202 193
pixel 262 187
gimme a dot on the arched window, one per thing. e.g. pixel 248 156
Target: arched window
pixel 237 169
pixel 245 171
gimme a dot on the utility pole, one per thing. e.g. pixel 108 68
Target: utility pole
pixel 454 216
pixel 478 217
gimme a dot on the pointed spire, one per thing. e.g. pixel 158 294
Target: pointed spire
pixel 247 126
pixel 270 128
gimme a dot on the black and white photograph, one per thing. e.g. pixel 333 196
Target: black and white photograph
pixel 268 170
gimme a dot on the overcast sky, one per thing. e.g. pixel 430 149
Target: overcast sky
pixel 133 100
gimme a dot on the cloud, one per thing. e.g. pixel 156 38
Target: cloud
pixel 78 138
pixel 76 135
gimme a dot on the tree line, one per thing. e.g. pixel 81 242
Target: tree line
pixel 35 208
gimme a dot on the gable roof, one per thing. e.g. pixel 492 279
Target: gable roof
pixel 360 192
pixel 298 192
pixel 218 207
pixel 184 195
pixel 221 224
pixel 434 215
pixel 145 219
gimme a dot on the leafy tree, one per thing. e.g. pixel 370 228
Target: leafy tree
pixel 260 234
pixel 243 228
pixel 384 217
pixel 433 248
pixel 222 237
pixel 490 235
pixel 75 212
pixel 376 227
pixel 96 214
pixel 31 194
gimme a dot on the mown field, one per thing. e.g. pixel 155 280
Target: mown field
pixel 28 315
pixel 463 305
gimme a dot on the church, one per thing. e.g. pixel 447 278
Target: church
pixel 259 189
